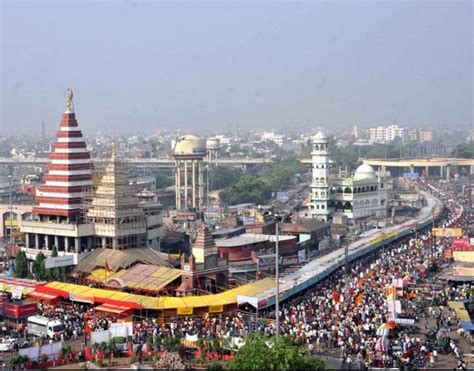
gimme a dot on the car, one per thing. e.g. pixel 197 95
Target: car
pixel 7 345
pixel 22 343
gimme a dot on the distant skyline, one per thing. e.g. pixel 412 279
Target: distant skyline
pixel 150 65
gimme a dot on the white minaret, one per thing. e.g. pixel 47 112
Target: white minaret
pixel 320 186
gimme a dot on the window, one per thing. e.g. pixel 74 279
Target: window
pixel 322 207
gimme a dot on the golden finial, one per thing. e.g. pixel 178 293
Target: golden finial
pixel 69 106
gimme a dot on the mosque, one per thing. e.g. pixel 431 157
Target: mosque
pixel 362 195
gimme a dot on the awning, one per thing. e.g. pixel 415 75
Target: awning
pixel 110 308
pixel 81 298
pixel 41 296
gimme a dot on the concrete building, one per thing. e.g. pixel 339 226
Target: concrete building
pixel 118 220
pixel 386 134
pixel 189 153
pixel 20 213
pixel 359 196
pixel 420 135
pixel 154 217
pixel 59 215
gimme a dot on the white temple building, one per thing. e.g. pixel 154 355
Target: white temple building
pixel 362 195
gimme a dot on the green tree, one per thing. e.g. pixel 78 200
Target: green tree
pixel 222 176
pixel 39 269
pixel 163 181
pixel 465 150
pixel 256 354
pixel 53 273
pixel 248 189
pixel 21 265
pixel 281 174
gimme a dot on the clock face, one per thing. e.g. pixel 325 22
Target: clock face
pixel 186 268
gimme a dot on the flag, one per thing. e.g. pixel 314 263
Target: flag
pixel 106 266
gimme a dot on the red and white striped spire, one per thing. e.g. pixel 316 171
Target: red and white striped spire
pixel 69 174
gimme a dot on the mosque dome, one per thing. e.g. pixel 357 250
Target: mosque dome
pixel 364 171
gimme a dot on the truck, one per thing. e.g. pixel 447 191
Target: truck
pixel 43 326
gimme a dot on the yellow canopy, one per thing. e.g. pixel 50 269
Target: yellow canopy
pixel 157 303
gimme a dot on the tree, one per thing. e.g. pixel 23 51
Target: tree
pixel 163 181
pixel 221 177
pixel 248 189
pixel 21 265
pixel 256 354
pixel 464 150
pixel 53 273
pixel 39 269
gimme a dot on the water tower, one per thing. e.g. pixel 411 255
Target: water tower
pixel 189 153
pixel 213 146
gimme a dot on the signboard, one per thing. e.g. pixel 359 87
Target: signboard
pixel 288 260
pixel 185 311
pixel 301 256
pixel 19 310
pixel 59 261
pixel 199 150
pixel 447 232
pixel 411 175
pixel 185 217
pixel 266 262
pixel 216 308
pixel 17 292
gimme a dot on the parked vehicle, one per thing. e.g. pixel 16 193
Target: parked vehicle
pixel 43 326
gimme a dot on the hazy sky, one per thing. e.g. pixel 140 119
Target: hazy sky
pixel 151 65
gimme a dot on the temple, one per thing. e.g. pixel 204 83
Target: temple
pixel 58 218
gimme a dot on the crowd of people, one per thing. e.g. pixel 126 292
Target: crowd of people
pixel 78 319
pixel 351 313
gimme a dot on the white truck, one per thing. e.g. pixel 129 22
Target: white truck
pixel 43 326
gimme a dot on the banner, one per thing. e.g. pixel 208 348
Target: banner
pixel 447 232
pixel 216 308
pixel 17 292
pixel 391 292
pixel 185 311
pixel 59 261
pixel 398 283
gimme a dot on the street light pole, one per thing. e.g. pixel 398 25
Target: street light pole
pixel 11 207
pixel 277 278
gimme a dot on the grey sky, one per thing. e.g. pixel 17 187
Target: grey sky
pixel 153 65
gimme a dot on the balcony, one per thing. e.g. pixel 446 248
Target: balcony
pixel 32 253
pixel 58 229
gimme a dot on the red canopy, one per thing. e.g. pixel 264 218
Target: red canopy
pixel 41 296
pixel 115 309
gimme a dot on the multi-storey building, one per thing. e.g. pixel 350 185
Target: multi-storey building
pixel 386 134
pixel 362 195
